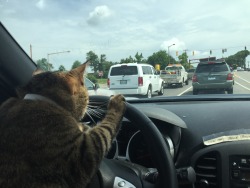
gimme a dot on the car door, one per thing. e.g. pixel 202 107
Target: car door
pixel 154 79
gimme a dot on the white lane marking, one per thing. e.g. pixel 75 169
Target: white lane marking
pixel 184 91
pixel 242 79
pixel 242 86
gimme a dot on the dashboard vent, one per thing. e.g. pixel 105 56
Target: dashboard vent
pixel 206 169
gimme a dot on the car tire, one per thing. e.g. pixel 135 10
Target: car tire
pixel 186 82
pixel 161 92
pixel 182 83
pixel 149 93
pixel 230 91
pixel 195 91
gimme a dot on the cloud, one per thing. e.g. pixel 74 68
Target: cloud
pixel 178 45
pixel 99 14
pixel 40 4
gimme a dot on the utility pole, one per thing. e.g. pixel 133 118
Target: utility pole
pixel 30 51
pixel 168 53
pixel 54 54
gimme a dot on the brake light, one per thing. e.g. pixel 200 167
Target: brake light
pixel 230 76
pixel 140 81
pixel 194 78
pixel 108 83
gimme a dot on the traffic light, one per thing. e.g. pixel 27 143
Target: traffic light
pixel 176 53
pixel 210 52
pixel 245 48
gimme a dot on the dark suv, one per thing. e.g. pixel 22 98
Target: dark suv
pixel 213 75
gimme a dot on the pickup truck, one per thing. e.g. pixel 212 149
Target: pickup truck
pixel 174 74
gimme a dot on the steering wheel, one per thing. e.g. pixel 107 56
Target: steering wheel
pixel 115 173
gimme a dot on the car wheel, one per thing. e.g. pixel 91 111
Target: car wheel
pixel 230 91
pixel 149 93
pixel 195 91
pixel 161 92
pixel 132 174
pixel 186 82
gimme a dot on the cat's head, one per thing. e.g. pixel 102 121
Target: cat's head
pixel 64 88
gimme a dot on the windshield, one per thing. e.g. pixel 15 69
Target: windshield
pixel 60 35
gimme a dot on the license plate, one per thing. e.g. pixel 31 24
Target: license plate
pixel 211 78
pixel 123 81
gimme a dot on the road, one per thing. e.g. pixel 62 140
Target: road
pixel 241 86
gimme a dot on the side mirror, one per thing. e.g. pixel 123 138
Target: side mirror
pixel 96 86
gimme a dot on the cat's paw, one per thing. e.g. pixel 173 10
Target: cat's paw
pixel 117 103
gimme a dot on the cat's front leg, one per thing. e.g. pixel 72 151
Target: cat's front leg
pixel 106 130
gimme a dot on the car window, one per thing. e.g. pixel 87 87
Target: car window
pixel 124 70
pixel 88 84
pixel 206 68
pixel 63 34
pixel 146 70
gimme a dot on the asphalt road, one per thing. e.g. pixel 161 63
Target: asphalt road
pixel 241 86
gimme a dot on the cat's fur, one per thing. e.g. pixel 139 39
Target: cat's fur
pixel 42 143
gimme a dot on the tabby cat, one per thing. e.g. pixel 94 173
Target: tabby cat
pixel 43 143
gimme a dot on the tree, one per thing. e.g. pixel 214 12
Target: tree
pixel 127 60
pixel 238 59
pixel 94 61
pixel 138 58
pixel 61 68
pixel 102 62
pixel 183 58
pixel 44 64
pixel 162 58
pixel 76 64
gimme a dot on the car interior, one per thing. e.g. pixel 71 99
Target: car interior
pixel 179 141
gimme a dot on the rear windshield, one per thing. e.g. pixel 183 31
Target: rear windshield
pixel 216 67
pixel 124 70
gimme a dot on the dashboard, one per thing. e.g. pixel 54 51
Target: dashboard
pixel 211 136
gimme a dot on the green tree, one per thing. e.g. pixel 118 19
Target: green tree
pixel 162 58
pixel 138 58
pixel 238 59
pixel 127 60
pixel 76 64
pixel 94 61
pixel 183 59
pixel 44 64
pixel 102 62
pixel 61 68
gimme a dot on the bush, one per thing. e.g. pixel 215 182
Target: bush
pixel 92 78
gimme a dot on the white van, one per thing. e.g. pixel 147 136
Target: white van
pixel 134 79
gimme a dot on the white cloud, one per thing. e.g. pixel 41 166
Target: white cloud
pixel 178 45
pixel 40 4
pixel 99 14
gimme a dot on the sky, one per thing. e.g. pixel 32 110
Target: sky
pixel 65 30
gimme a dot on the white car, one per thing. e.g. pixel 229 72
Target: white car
pixel 134 79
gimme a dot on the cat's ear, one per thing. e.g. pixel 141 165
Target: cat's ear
pixel 37 71
pixel 75 77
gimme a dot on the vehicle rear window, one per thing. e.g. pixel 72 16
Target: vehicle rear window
pixel 216 67
pixel 124 70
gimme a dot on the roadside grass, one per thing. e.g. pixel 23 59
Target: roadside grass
pixel 102 81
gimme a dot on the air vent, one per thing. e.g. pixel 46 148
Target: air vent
pixel 206 169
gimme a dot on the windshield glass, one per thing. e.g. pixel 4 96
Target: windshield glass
pixel 60 35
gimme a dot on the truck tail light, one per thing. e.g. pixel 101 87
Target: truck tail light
pixel 140 81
